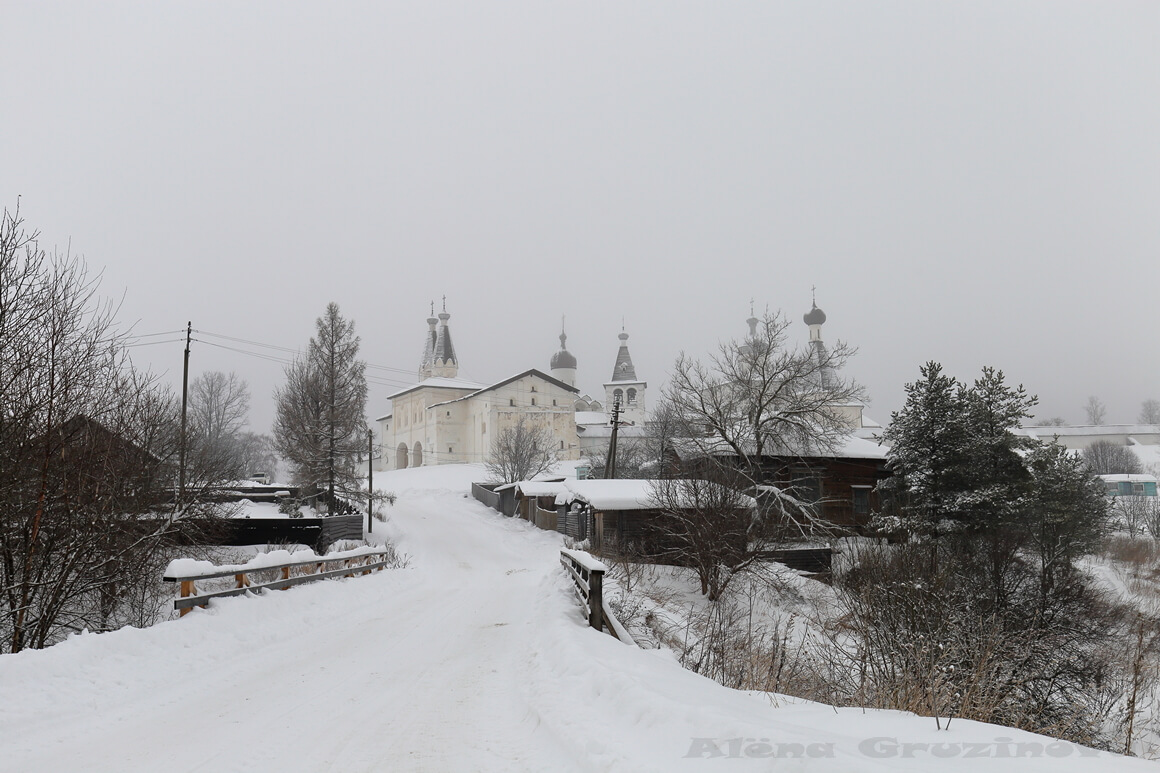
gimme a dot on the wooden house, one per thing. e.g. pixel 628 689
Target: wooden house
pixel 612 513
pixel 837 487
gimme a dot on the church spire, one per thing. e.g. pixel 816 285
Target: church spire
pixel 428 360
pixel 439 353
pixel 624 387
pixel 623 370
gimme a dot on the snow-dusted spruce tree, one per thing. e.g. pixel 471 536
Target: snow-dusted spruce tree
pixel 320 425
pixel 982 614
pixel 760 398
pixel 86 443
pixel 1064 514
pixel 520 452
pixel 954 457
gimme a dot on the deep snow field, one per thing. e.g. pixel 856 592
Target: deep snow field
pixel 472 657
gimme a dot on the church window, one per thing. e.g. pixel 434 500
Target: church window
pixel 512 401
pixel 553 403
pixel 449 450
pixel 483 430
pixel 561 445
pixel 533 387
pixel 618 395
pixel 449 413
pixel 533 401
pixel 632 397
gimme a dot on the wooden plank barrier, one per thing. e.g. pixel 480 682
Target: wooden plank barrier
pixel 309 570
pixel 587 576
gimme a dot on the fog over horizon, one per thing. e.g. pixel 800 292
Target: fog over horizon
pixel 976 184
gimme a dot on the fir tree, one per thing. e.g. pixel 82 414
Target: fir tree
pixel 321 421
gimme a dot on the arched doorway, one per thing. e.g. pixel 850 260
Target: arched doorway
pixel 417 456
pixel 401 460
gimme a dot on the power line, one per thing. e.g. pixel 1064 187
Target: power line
pixel 376 379
pixel 154 343
pixel 259 355
pixel 248 342
pixel 294 351
pixel 152 335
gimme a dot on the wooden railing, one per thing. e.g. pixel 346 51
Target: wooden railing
pixel 588 579
pixel 308 570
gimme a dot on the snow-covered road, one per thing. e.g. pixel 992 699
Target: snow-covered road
pixel 475 657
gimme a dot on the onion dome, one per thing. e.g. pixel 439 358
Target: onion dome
pixel 563 359
pixel 815 316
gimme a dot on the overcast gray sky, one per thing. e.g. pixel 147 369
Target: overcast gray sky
pixel 974 183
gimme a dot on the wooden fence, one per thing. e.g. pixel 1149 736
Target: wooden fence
pixel 573 524
pixel 318 533
pixel 486 495
pixel 308 570
pixel 588 579
pixel 545 519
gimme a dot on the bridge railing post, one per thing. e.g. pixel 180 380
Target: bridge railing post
pixel 596 599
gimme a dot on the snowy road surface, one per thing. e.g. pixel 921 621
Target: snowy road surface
pixel 475 657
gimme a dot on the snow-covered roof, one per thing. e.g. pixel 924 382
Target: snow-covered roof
pixel 591 417
pixel 849 447
pixel 622 494
pixel 530 372
pixel 438 382
pixel 1128 478
pixel 540 488
pixel 1147 434
pixel 612 494
pixel 860 448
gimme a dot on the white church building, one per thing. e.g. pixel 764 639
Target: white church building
pixel 444 419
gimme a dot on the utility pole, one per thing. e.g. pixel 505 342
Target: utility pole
pixel 370 479
pixel 184 406
pixel 610 460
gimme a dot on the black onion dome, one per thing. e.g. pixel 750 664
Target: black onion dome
pixel 815 316
pixel 563 358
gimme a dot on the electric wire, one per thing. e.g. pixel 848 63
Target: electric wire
pixel 377 379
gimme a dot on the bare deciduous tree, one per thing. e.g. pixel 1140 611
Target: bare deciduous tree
pixel 706 526
pixel 219 406
pixel 521 452
pixel 86 443
pixel 1107 458
pixel 1095 410
pixel 760 398
pixel 257 454
pixel 1150 412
